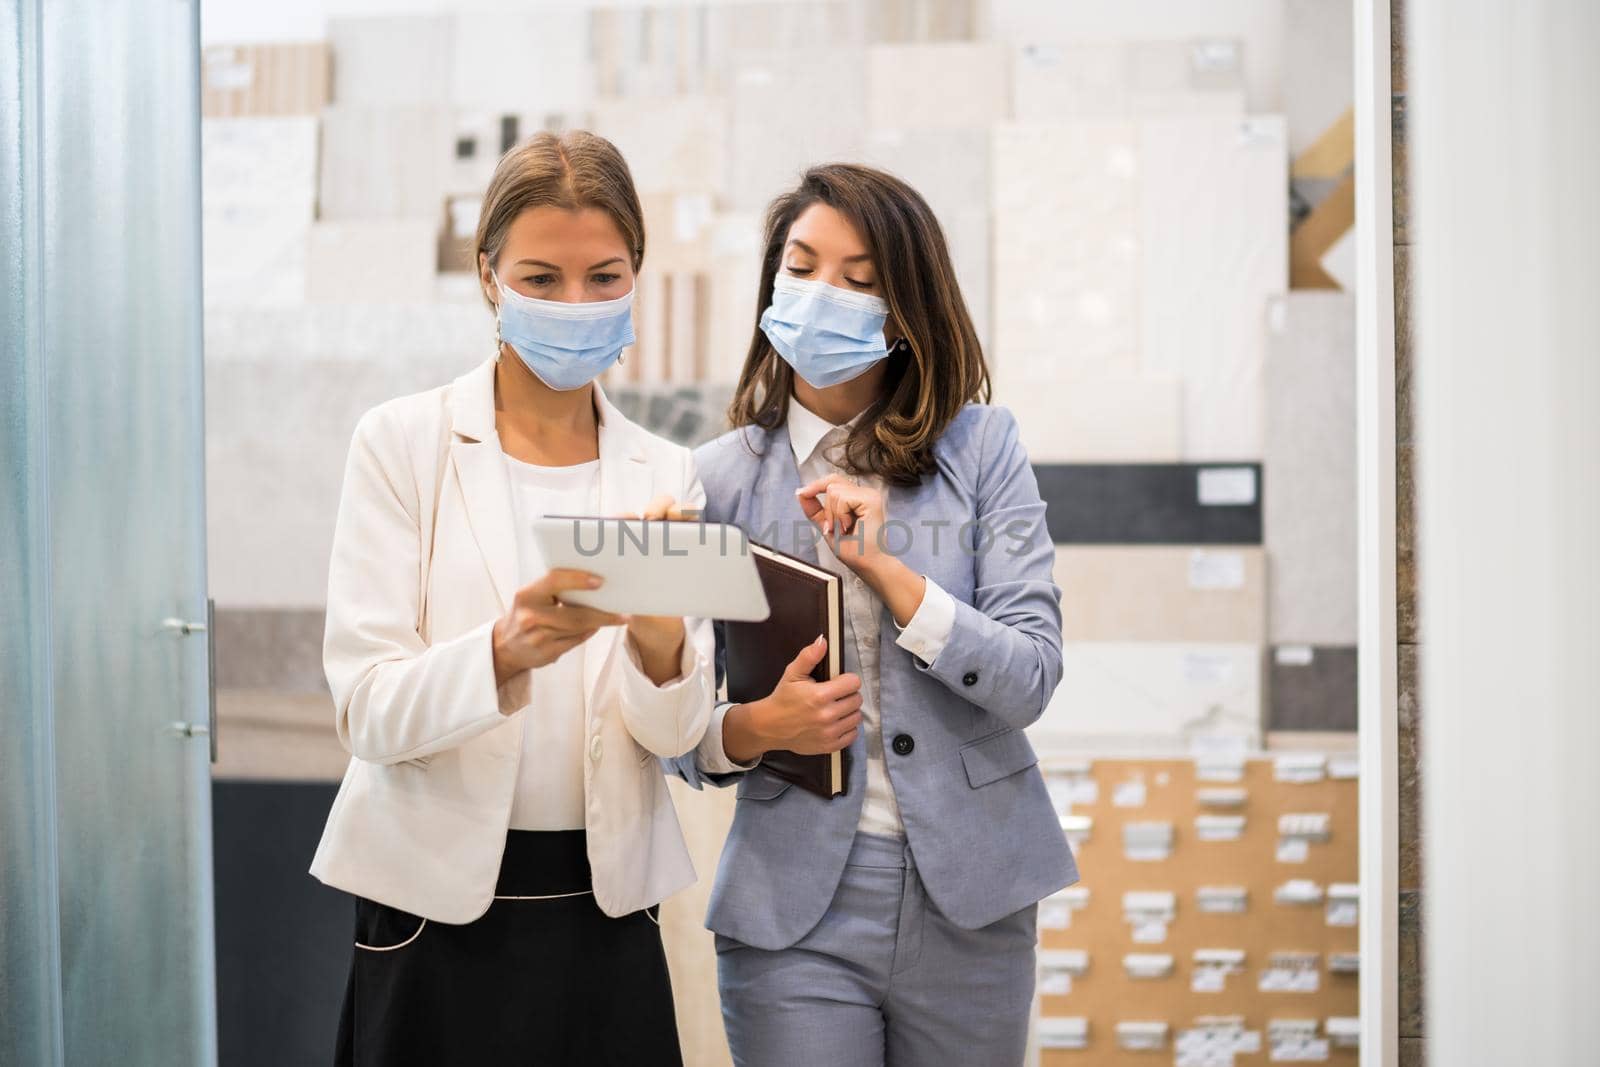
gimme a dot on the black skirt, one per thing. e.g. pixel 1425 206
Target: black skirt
pixel 530 982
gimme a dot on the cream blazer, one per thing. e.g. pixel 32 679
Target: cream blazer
pixel 424 561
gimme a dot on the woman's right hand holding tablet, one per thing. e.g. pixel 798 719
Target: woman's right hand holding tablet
pixel 801 715
pixel 539 628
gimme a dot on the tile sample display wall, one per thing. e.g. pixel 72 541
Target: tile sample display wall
pixel 1279 957
pixel 1161 593
pixel 1309 518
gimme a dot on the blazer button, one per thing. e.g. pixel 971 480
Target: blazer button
pixel 970 678
pixel 594 748
pixel 903 744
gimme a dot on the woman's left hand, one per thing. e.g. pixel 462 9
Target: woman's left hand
pixel 851 519
pixel 658 638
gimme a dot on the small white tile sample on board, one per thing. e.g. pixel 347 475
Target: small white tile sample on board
pixel 1343 904
pixel 1290 972
pixel 1295 1041
pixel 1059 1031
pixel 1302 767
pixel 1129 793
pixel 1147 841
pixel 1293 850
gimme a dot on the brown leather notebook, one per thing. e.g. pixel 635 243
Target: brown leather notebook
pixel 805 602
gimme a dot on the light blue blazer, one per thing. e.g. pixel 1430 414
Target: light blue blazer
pixel 976 813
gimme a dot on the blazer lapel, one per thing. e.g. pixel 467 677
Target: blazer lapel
pixel 777 508
pixel 625 483
pixel 481 471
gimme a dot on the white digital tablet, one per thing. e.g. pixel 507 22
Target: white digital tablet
pixel 656 566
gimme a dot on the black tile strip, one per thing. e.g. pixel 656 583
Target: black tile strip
pixel 1143 504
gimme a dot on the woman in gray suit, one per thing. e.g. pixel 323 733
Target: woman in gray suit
pixel 896 923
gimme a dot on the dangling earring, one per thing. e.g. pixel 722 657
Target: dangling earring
pixel 499 345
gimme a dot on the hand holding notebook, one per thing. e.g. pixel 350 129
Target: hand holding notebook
pixel 787 668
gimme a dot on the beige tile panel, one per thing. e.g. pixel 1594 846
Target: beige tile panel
pixel 1162 592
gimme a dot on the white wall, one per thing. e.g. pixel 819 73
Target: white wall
pixel 1505 147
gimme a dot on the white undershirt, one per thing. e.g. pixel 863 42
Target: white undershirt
pixel 549 793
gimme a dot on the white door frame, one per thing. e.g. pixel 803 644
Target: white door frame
pixel 1377 685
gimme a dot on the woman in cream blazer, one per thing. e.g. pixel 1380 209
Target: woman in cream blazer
pixel 477 941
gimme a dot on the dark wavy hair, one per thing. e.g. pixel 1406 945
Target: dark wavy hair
pixel 930 378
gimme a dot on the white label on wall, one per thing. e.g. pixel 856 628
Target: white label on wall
pixel 1293 850
pixel 1223 486
pixel 1149 932
pixel 1208 980
pixel 1211 569
pixel 1294 655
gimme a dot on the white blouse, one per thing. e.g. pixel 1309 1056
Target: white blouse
pixel 549 793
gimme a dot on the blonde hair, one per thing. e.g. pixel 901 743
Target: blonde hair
pixel 573 170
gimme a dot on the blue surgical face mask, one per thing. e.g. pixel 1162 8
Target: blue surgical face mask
pixel 566 345
pixel 828 335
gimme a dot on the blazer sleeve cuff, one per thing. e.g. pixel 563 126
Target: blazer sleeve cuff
pixel 711 756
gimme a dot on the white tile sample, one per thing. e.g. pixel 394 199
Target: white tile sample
pixel 393 60
pixel 1151 696
pixel 378 261
pixel 948 85
pixel 952 170
pixel 672 144
pixel 789 111
pixel 523 62
pixel 1309 460
pixel 385 162
pixel 1214 244
pixel 265 162
pixel 1106 420
pixel 1066 250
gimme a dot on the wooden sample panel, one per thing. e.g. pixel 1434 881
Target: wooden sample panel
pixel 1106 995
